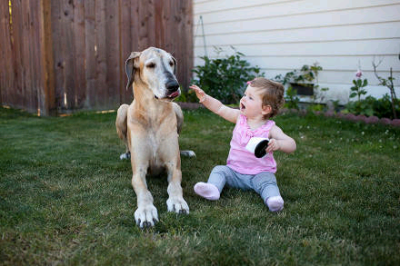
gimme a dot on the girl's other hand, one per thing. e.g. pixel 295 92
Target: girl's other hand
pixel 273 145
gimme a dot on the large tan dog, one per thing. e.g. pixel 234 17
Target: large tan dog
pixel 150 127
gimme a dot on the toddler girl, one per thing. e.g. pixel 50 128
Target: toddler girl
pixel 261 101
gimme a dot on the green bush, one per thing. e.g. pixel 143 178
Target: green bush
pixel 307 75
pixel 371 106
pixel 362 107
pixel 225 78
pixel 383 107
pixel 291 99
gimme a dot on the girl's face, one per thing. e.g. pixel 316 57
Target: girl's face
pixel 251 104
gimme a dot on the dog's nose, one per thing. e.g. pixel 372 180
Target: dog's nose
pixel 172 85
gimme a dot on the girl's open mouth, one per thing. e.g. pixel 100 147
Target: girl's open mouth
pixel 242 107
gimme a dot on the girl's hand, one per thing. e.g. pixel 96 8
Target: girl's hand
pixel 273 145
pixel 280 141
pixel 200 94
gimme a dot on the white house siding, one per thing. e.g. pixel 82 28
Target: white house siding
pixel 282 35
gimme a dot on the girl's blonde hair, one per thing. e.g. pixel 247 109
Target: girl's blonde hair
pixel 271 94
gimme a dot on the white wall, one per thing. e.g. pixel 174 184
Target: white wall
pixel 282 35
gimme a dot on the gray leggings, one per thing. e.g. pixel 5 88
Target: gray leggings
pixel 263 183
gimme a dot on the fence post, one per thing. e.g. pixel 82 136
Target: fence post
pixel 47 102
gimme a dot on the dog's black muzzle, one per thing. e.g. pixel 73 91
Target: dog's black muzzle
pixel 172 86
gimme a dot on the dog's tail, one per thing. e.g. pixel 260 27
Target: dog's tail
pixel 188 153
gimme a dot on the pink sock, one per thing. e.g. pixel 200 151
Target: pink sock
pixel 207 191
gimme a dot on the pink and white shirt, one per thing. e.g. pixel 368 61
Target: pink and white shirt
pixel 242 160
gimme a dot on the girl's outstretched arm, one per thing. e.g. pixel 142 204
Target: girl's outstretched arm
pixel 215 105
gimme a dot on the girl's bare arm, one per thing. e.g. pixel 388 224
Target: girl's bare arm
pixel 215 106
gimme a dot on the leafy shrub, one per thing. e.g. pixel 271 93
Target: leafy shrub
pixel 225 78
pixel 383 107
pixel 291 99
pixel 305 76
pixel 361 107
pixel 387 106
pixel 358 89
pixel 372 106
pixel 316 107
pixel 389 82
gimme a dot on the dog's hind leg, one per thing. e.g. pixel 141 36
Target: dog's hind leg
pixel 179 122
pixel 121 125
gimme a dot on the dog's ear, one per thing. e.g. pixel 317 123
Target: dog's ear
pixel 175 65
pixel 131 64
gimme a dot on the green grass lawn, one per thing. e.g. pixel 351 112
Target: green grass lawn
pixel 66 198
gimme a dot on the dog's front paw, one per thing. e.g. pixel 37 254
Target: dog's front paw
pixel 146 216
pixel 177 205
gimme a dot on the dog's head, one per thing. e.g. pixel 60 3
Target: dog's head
pixel 155 68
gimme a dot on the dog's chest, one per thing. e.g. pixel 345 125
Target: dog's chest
pixel 159 152
pixel 154 139
pixel 159 143
pixel 154 143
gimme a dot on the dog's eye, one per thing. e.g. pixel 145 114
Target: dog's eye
pixel 151 65
pixel 171 63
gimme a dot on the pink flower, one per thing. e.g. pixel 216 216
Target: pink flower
pixel 358 74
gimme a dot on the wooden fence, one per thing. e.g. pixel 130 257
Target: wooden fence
pixel 58 56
